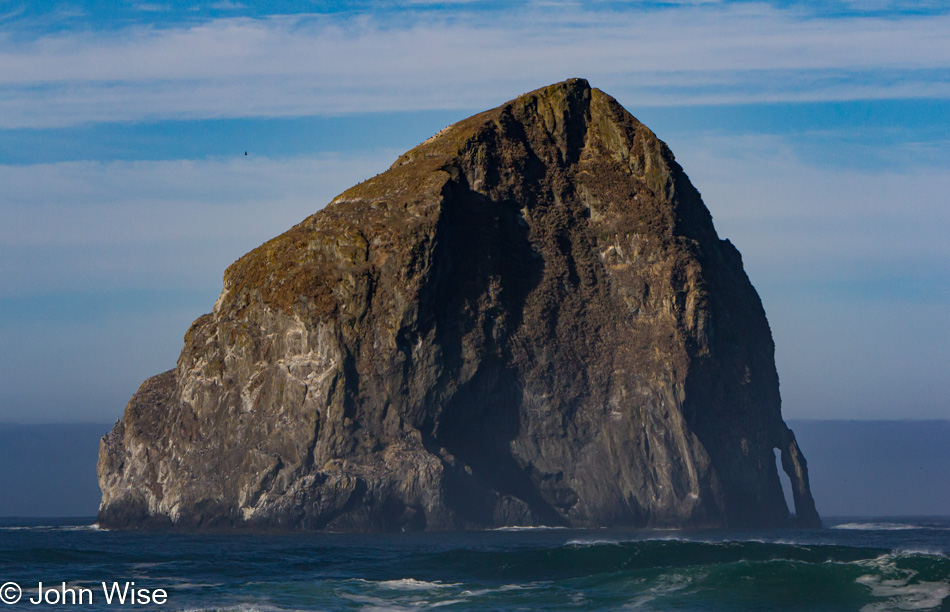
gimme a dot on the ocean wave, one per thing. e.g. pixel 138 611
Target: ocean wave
pixel 92 527
pixel 517 587
pixel 584 542
pixel 184 585
pixel 901 588
pixel 527 528
pixel 21 528
pixel 883 526
pixel 447 602
pixel 921 551
pixel 594 569
pixel 243 607
pixel 411 584
pixel 372 602
pixel 593 542
pixel 663 587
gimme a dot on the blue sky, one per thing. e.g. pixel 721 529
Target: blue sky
pixel 818 133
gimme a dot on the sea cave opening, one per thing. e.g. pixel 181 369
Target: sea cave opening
pixel 785 481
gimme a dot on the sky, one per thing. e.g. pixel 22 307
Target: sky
pixel 817 132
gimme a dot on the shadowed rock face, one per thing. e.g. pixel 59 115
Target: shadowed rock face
pixel 528 319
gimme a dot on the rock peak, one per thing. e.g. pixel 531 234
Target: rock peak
pixel 528 319
pixel 570 97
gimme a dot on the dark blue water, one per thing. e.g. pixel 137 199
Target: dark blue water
pixel 899 564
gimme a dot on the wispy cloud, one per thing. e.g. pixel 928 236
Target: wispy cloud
pixel 6 15
pixel 436 2
pixel 99 226
pixel 306 65
pixel 151 7
pixel 227 5
pixel 807 227
pixel 894 5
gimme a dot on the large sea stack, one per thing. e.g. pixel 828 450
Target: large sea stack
pixel 528 319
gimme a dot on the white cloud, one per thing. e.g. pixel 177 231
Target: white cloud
pixel 227 5
pixel 306 65
pixel 16 12
pixel 161 225
pixel 803 220
pixel 436 2
pixel 150 7
pixel 895 5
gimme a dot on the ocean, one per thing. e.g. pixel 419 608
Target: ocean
pixel 853 564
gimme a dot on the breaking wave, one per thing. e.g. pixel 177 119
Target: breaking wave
pixel 850 568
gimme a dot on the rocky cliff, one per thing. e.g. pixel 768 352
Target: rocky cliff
pixel 528 319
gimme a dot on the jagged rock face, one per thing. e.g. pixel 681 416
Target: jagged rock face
pixel 529 319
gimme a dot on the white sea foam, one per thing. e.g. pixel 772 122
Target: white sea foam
pixel 591 542
pixel 20 528
pixel 501 589
pixel 181 586
pixel 795 543
pixel 412 594
pixel 518 587
pixel 411 584
pixel 902 595
pixel 526 528
pixel 378 603
pixel 897 587
pixel 921 551
pixel 664 586
pixel 93 527
pixel 447 602
pixel 631 540
pixel 878 526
